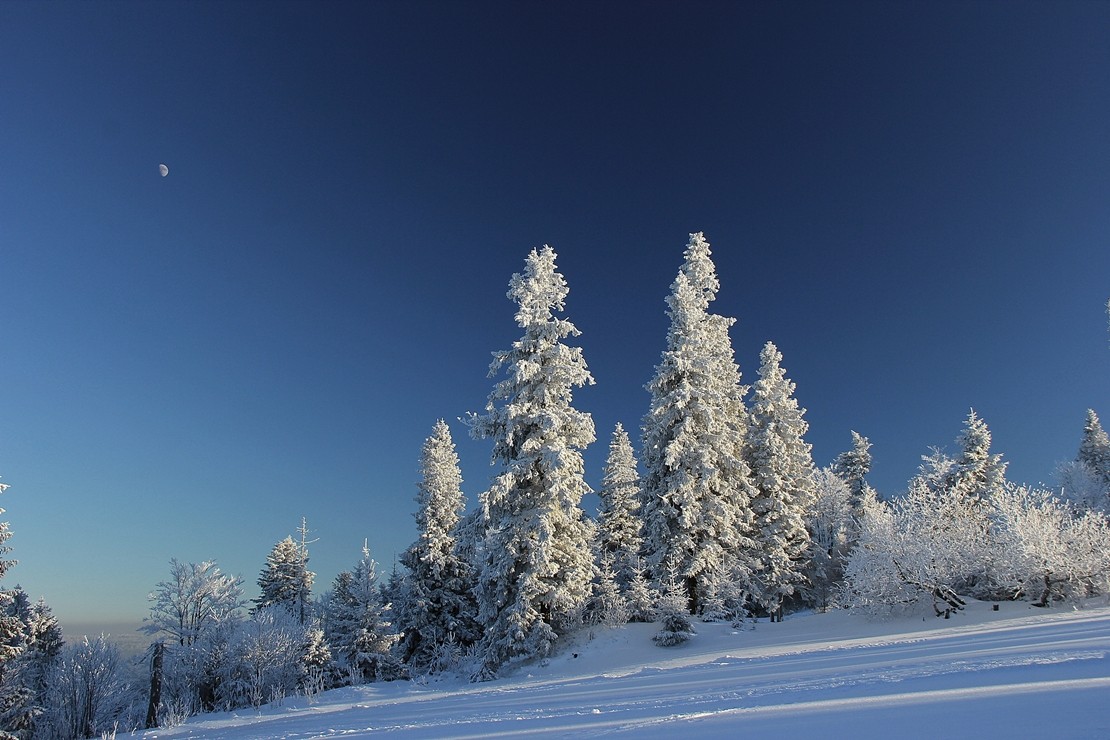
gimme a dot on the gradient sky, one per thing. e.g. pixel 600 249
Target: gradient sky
pixel 909 199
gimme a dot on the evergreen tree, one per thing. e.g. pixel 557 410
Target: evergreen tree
pixel 11 630
pixel 697 488
pixel 673 614
pixel 434 603
pixel 356 628
pixel 976 475
pixel 782 468
pixel 618 521
pixel 1094 449
pixel 852 467
pixel 286 579
pixel 536 560
pixel 23 679
pixel 607 605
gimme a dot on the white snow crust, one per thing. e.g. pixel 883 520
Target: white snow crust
pixel 1018 672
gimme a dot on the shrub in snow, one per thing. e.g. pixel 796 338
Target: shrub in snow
pixel 1048 551
pixel 88 693
pixel 273 655
pixel 918 548
pixel 673 614
pixel 1082 487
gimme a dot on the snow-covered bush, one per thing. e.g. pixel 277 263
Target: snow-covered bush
pixel 1082 486
pixel 273 656
pixel 832 524
pixel 1046 550
pixel 921 547
pixel 88 693
pixel 673 614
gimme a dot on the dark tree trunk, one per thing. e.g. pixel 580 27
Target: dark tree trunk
pixel 692 594
pixel 155 685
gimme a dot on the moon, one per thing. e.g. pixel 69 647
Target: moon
pixel 163 170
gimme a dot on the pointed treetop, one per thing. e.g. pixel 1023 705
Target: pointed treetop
pixel 974 440
pixel 539 290
pixel 699 269
pixel 1094 449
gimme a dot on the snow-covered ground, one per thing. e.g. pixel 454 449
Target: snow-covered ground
pixel 1020 672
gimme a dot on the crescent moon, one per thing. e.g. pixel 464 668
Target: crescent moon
pixel 163 169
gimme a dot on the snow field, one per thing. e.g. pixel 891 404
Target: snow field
pixel 1018 672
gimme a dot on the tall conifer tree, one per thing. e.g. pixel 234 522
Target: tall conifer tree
pixel 697 487
pixel 618 517
pixel 435 603
pixel 782 468
pixel 536 565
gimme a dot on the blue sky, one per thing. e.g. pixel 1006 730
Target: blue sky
pixel 908 198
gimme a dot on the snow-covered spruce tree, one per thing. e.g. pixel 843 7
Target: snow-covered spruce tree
pixel 434 601
pixel 606 605
pixel 23 681
pixel 641 597
pixel 976 474
pixel 672 612
pixel 1094 449
pixel 697 487
pixel 618 520
pixel 852 466
pixel 286 579
pixel 10 628
pixel 782 470
pixel 197 596
pixel 361 638
pixel 536 563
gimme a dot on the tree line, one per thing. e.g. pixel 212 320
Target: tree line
pixel 725 517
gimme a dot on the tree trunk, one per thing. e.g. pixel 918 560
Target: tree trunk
pixel 155 685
